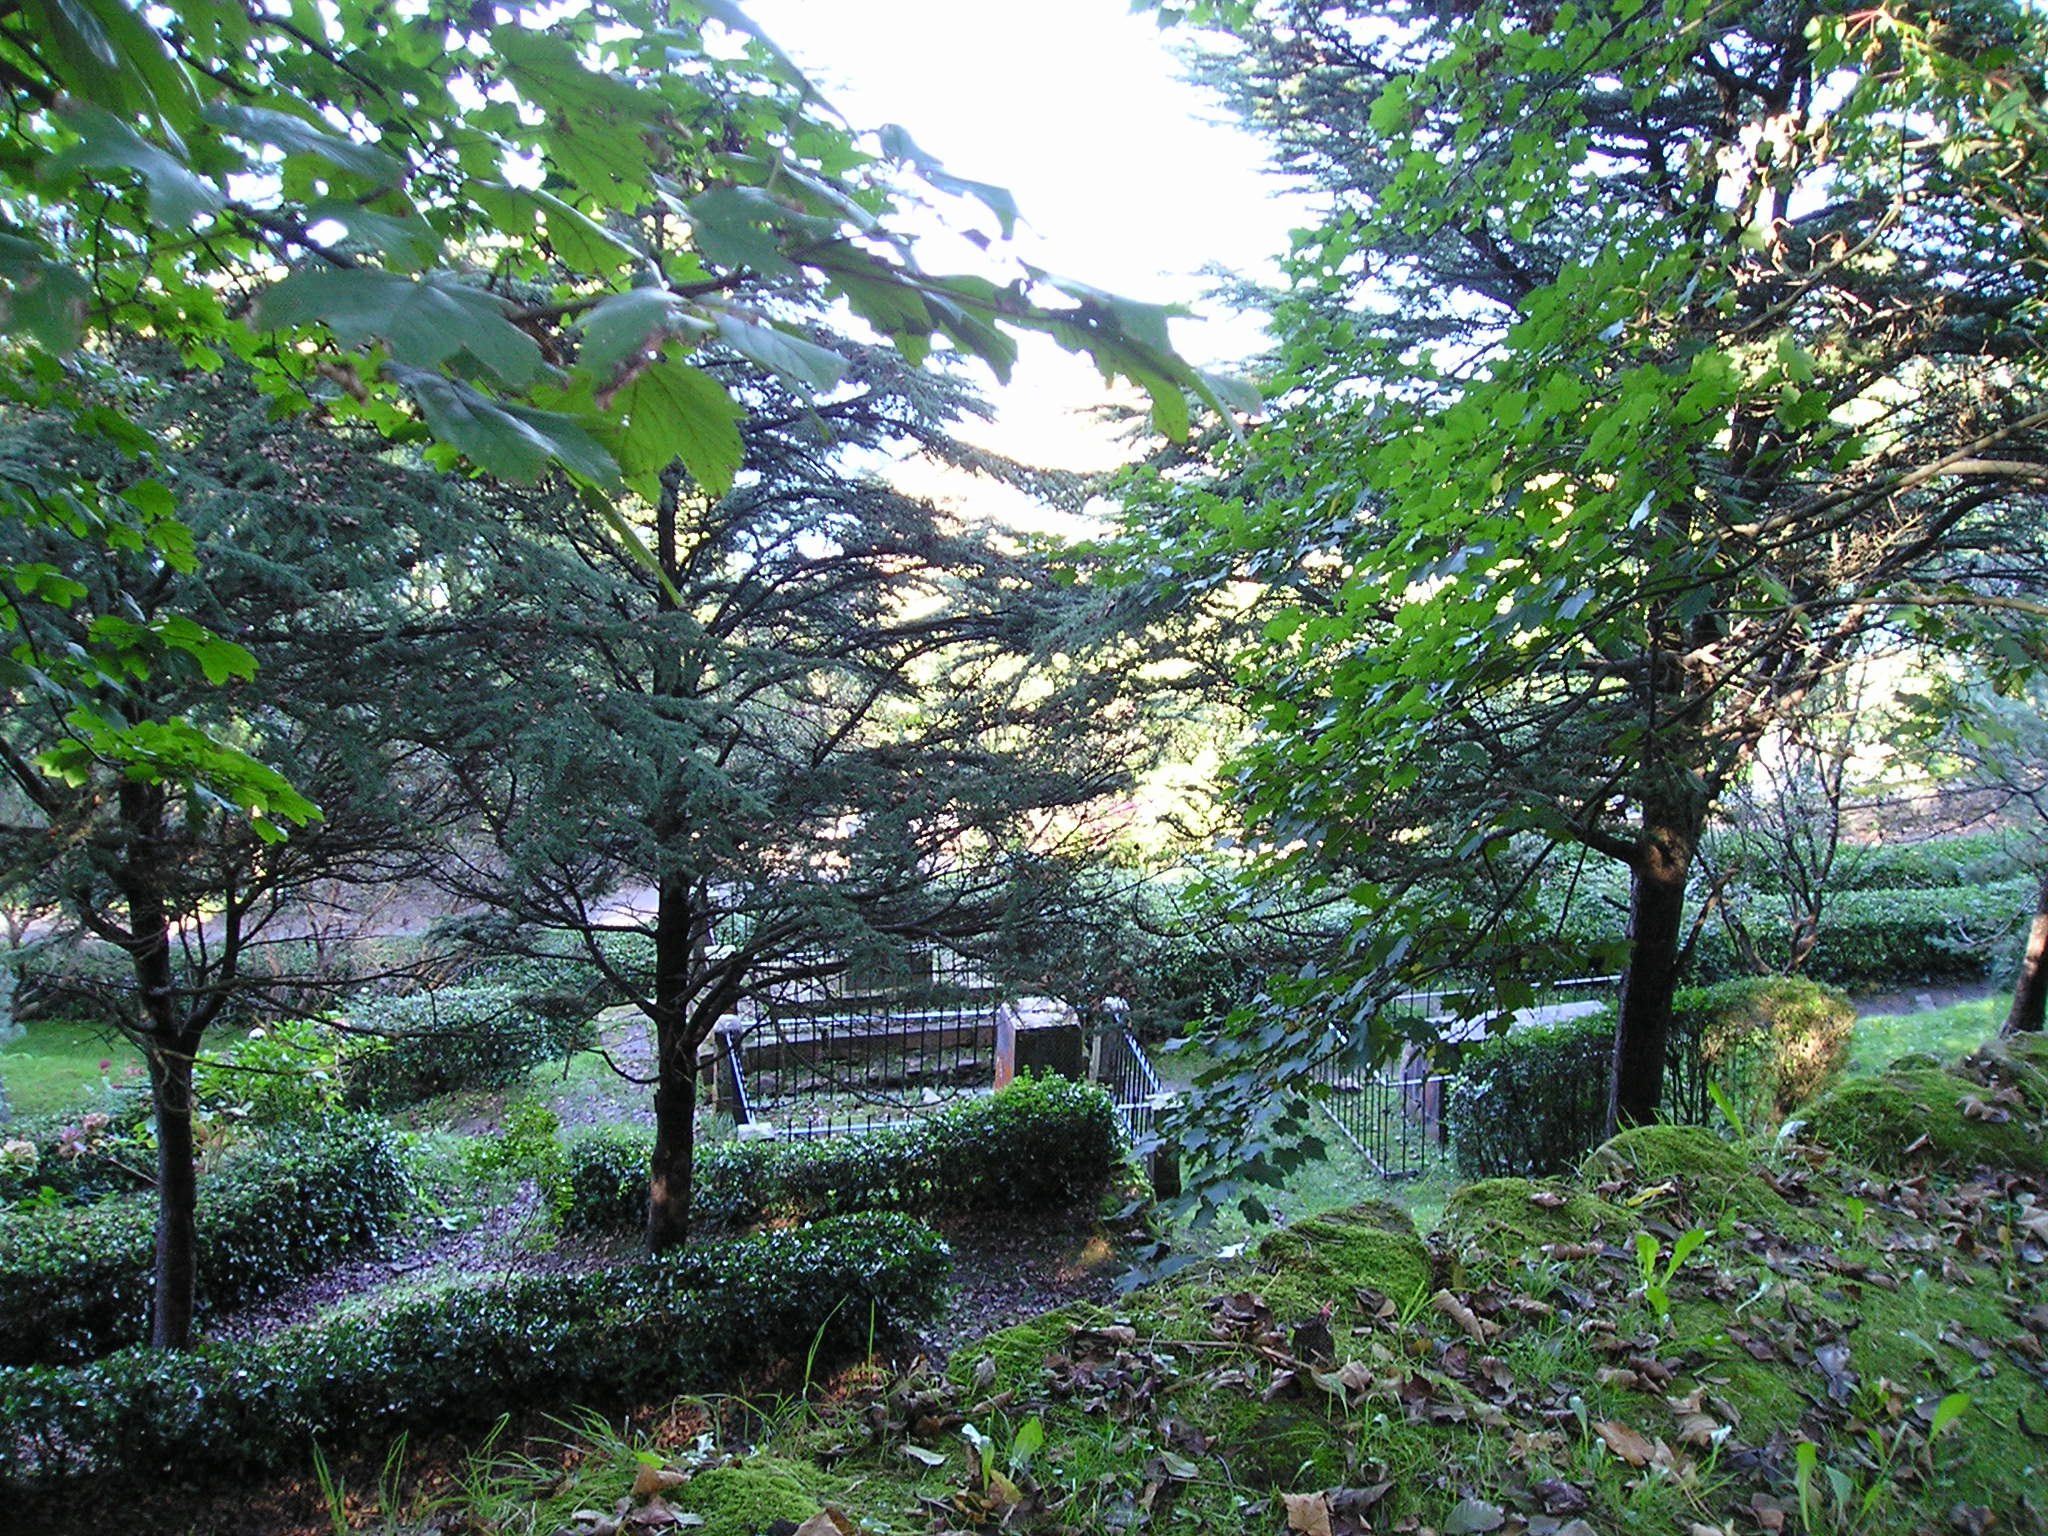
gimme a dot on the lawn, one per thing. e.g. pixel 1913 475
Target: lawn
pixel 1880 1039
pixel 60 1064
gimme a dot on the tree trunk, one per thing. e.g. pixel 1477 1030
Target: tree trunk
pixel 1656 933
pixel 2030 991
pixel 176 1273
pixel 169 1045
pixel 670 1172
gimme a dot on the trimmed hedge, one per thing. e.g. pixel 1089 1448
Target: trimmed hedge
pixel 456 1037
pixel 1870 941
pixel 1038 1143
pixel 464 1355
pixel 76 1283
pixel 1534 1101
pixel 1971 858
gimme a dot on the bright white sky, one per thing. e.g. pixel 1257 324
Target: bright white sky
pixel 1126 177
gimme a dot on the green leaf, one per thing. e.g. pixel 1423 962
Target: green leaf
pixel 296 136
pixel 728 14
pixel 1947 1411
pixel 408 240
pixel 43 299
pixel 177 196
pixel 1028 1442
pixel 672 411
pixel 735 227
pixel 624 328
pixel 794 358
pixel 897 144
pixel 513 442
pixel 423 321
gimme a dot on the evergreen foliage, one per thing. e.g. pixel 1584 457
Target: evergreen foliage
pixel 1650 360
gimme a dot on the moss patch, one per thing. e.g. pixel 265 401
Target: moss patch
pixel 1373 1244
pixel 1714 1176
pixel 745 1500
pixel 1902 1121
pixel 1510 1214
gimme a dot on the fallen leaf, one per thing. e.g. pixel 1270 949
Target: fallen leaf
pixel 923 1457
pixel 1561 1498
pixel 1308 1513
pixel 1548 1199
pixel 651 1480
pixel 1625 1442
pixel 829 1521
pixel 1460 1314
pixel 1177 1466
pixel 1473 1516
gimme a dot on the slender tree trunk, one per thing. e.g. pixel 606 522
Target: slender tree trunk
pixel 2030 991
pixel 169 1046
pixel 1656 935
pixel 670 1173
pixel 176 1273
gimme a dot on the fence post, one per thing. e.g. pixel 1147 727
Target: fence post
pixel 725 1092
pixel 1045 1044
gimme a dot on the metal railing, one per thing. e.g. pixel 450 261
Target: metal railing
pixel 1394 1123
pixel 1393 1117
pixel 1119 1064
pixel 831 1058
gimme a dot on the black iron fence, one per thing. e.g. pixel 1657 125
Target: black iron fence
pixel 1393 1117
pixel 836 1053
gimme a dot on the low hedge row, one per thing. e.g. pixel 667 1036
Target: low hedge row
pixel 1970 858
pixel 1870 941
pixel 1039 1142
pixel 1534 1101
pixel 76 1283
pixel 462 1356
pixel 456 1037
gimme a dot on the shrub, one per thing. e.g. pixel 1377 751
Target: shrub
pixel 1534 1101
pixel 1769 1042
pixel 1967 859
pixel 285 1071
pixel 466 1354
pixel 82 1155
pixel 76 1283
pixel 1038 1143
pixel 457 1037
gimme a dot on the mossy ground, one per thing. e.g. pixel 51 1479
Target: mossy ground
pixel 1647 1349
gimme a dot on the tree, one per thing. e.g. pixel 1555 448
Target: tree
pixel 309 549
pixel 1650 358
pixel 1994 740
pixel 819 724
pixel 494 235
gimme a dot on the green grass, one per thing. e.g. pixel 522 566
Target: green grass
pixel 1957 1030
pixel 55 1065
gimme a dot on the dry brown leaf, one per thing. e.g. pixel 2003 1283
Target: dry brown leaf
pixel 829 1521
pixel 1617 1376
pixel 651 1480
pixel 1625 1442
pixel 1460 1314
pixel 1307 1513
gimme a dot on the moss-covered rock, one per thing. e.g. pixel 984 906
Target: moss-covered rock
pixel 1509 1215
pixel 1373 1244
pixel 1907 1120
pixel 1287 1445
pixel 1715 1177
pixel 744 1500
